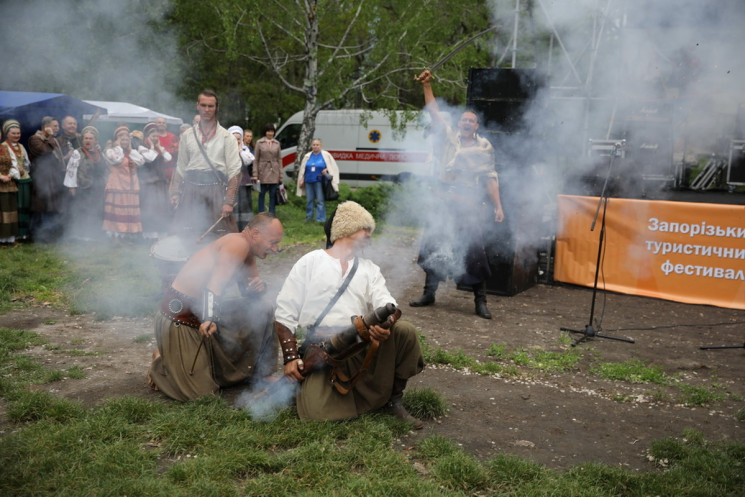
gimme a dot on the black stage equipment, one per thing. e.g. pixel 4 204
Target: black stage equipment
pixel 513 260
pixel 648 129
pixel 512 249
pixel 590 331
pixel 500 97
pixel 708 177
pixel 599 152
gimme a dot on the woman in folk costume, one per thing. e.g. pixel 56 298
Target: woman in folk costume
pixel 86 180
pixel 8 197
pixel 153 176
pixel 121 214
pixel 12 134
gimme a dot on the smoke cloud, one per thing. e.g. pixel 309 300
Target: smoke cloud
pixel 265 400
pixel 662 72
pixel 665 76
pixel 92 50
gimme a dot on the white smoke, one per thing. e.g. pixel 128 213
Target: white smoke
pixel 664 71
pixel 92 50
pixel 678 59
pixel 265 400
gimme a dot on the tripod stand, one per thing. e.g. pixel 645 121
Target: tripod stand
pixel 590 331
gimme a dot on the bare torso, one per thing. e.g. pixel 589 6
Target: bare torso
pixel 217 266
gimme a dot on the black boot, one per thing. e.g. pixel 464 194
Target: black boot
pixel 395 407
pixel 428 297
pixel 479 298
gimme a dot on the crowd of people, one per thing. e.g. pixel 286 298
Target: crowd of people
pixel 135 185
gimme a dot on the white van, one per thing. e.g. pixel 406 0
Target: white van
pixel 365 145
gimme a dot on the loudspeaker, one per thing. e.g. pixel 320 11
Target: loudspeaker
pixel 647 126
pixel 500 96
pixel 650 144
pixel 513 263
pixel 592 179
pixel 514 266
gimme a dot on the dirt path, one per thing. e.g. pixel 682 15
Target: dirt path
pixel 559 420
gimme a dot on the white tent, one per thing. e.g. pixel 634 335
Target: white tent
pixel 129 113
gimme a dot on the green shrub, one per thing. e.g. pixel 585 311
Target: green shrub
pixel 374 198
pixel 740 414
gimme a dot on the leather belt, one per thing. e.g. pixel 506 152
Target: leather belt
pixel 176 306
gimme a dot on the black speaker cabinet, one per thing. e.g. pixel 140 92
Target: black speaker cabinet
pixel 512 246
pixel 513 263
pixel 649 154
pixel 658 110
pixel 501 95
pixel 514 267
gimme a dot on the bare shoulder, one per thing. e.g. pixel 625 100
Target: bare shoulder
pixel 231 240
pixel 233 243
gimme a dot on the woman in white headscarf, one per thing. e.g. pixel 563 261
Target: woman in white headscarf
pixel 121 215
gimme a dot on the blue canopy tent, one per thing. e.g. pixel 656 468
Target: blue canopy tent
pixel 30 107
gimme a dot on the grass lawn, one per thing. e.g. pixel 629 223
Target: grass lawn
pixel 137 447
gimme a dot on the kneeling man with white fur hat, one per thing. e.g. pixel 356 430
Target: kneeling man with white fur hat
pixel 366 354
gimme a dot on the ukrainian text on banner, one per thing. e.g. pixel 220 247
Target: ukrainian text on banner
pixel 687 252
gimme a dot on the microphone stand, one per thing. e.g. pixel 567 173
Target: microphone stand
pixel 590 331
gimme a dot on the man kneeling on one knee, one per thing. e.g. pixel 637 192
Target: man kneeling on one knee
pixel 205 340
pixel 323 292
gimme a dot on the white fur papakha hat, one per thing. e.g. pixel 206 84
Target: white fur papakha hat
pixel 349 218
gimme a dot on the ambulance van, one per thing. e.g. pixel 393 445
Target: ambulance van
pixel 365 145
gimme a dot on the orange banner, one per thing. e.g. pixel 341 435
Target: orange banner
pixel 686 252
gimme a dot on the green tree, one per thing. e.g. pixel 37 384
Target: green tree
pixel 323 54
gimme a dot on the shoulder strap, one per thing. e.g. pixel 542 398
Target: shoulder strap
pixel 204 154
pixel 341 290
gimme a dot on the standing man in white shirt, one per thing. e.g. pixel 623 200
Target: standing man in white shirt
pixel 204 186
